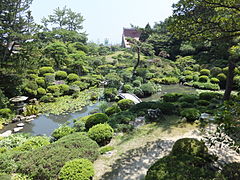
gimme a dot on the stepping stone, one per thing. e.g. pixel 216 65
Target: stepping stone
pixel 17 129
pixel 29 120
pixel 20 124
pixel 6 133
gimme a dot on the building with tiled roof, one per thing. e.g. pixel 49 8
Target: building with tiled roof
pixel 129 33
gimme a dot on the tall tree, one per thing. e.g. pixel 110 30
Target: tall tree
pixel 64 19
pixel 209 20
pixel 15 25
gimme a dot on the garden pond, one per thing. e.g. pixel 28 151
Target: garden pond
pixel 44 125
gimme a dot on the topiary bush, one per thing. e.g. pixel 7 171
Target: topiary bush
pixel 136 83
pixel 72 77
pixel 203 79
pixel 187 72
pixel 222 78
pixel 64 89
pixel 49 78
pixel 54 89
pixel 41 92
pixel 203 103
pixel 138 92
pixel 191 114
pixel 101 133
pixel 231 171
pixel 189 98
pixel 5 113
pixel 44 70
pixel 148 89
pixel 95 119
pixel 208 86
pixel 171 97
pixel 81 169
pixel 214 80
pixel 41 82
pixel 125 104
pixel 189 78
pixel 61 75
pixel 123 117
pixel 112 110
pixel 46 162
pixel 47 98
pixel 215 71
pixel 169 80
pixel 205 72
pixel 62 131
pixel 127 88
pixel 210 95
pixel 110 94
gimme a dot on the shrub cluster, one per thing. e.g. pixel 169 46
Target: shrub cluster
pixel 95 119
pixel 125 104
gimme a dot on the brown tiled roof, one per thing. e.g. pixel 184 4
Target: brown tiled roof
pixel 133 33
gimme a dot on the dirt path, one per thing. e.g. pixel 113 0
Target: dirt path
pixel 134 162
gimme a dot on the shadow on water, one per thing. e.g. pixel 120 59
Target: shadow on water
pixel 133 164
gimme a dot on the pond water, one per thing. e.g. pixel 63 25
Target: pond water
pixel 44 125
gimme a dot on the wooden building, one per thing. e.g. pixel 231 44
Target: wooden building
pixel 129 33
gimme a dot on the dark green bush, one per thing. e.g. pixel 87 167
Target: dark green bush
pixel 95 119
pixel 167 108
pixel 186 105
pixel 30 92
pixel 72 77
pixel 191 114
pixel 114 80
pixel 101 133
pixel 138 92
pixel 205 72
pixel 203 103
pixel 112 110
pixel 148 89
pixel 171 97
pixel 183 168
pixel 187 72
pixel 110 94
pixel 127 88
pixel 81 169
pixel 208 86
pixel 62 131
pixel 53 89
pixel 222 78
pixel 231 171
pixel 203 79
pixel 136 83
pixel 61 75
pixel 125 104
pixel 79 126
pixel 64 88
pixel 169 80
pixel 73 89
pixel 210 95
pixel 5 113
pixel 46 162
pixel 123 117
pixel 44 70
pixel 126 128
pixel 189 78
pixel 189 98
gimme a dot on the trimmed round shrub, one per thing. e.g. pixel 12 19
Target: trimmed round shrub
pixel 184 105
pixel 203 79
pixel 138 92
pixel 41 82
pixel 33 143
pixel 183 168
pixel 188 78
pixel 101 133
pixel 167 108
pixel 61 75
pixel 95 119
pixel 47 161
pixel 215 71
pixel 189 98
pixel 214 80
pixel 136 83
pixel 44 70
pixel 41 92
pixel 187 72
pixel 72 77
pixel 53 89
pixel 79 126
pixel 205 72
pixel 225 71
pixel 231 171
pixel 64 88
pixel 189 146
pixel 112 110
pixel 62 131
pixel 5 113
pixel 125 104
pixel 110 94
pixel 191 114
pixel 148 89
pixel 169 80
pixel 127 88
pixel 171 97
pixel 81 169
pixel 32 76
pixel 47 98
pixel 209 96
pixel 49 78
pixel 203 103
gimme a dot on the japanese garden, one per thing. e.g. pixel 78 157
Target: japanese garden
pixel 163 104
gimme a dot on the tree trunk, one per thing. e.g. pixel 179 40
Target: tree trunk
pixel 229 83
pixel 138 61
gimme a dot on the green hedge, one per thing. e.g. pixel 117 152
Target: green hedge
pixel 61 75
pixel 95 119
pixel 125 104
pixel 191 114
pixel 44 70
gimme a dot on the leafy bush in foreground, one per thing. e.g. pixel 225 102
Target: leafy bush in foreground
pixel 81 169
pixel 101 133
pixel 231 171
pixel 46 162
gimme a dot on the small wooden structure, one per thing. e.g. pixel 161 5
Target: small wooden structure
pixel 129 33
